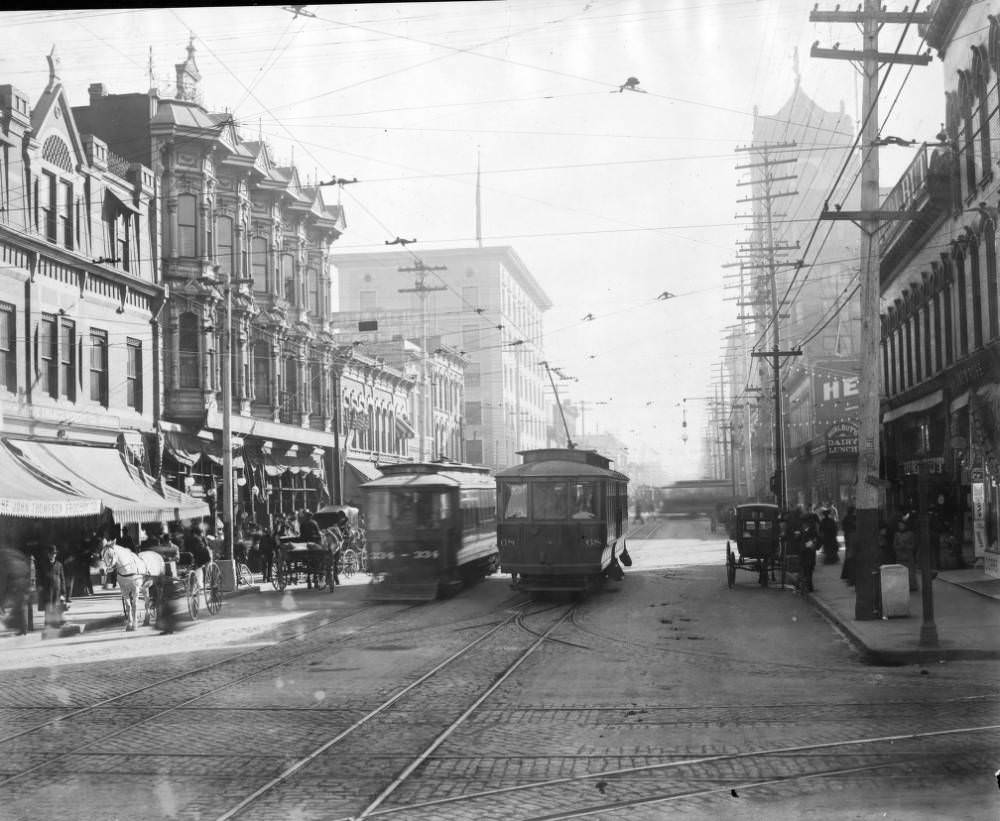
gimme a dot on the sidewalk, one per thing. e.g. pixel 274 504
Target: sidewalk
pixel 103 611
pixel 966 615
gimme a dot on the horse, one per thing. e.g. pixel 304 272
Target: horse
pixel 333 544
pixel 137 572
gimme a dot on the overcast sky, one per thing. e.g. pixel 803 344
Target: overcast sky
pixel 609 198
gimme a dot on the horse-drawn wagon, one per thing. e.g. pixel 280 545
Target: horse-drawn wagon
pixel 759 546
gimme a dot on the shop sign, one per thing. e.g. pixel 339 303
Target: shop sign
pixel 934 465
pixel 835 396
pixel 978 502
pixel 976 475
pixel 979 538
pixel 842 440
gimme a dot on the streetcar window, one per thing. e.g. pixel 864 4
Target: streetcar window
pixel 514 500
pixel 379 503
pixel 583 500
pixel 548 500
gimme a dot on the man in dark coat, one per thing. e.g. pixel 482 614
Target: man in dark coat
pixel 828 537
pixel 52 595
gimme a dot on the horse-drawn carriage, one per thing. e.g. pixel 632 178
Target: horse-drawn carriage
pixel 759 546
pixel 159 580
pixel 341 543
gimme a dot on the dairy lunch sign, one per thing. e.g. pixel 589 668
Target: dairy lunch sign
pixel 842 440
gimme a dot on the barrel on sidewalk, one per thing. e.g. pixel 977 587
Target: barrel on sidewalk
pixel 894 581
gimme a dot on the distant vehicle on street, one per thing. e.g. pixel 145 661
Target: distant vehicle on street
pixel 695 497
pixel 562 513
pixel 431 529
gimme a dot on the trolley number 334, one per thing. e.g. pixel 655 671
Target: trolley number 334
pixel 417 554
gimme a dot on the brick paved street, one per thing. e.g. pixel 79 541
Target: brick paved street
pixel 655 698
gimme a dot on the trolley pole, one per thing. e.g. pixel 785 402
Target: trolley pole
pixel 871 18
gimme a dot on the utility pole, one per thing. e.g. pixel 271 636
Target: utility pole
pixel 869 219
pixel 767 251
pixel 420 271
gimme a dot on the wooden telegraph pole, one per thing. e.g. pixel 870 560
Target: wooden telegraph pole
pixel 768 252
pixel 869 219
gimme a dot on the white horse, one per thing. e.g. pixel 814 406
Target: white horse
pixel 136 573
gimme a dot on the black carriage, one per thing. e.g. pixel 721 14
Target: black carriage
pixel 562 519
pixel 431 529
pixel 186 586
pixel 345 520
pixel 759 544
pixel 296 560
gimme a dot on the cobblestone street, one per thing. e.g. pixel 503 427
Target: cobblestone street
pixel 661 696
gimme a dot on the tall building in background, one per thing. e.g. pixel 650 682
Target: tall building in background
pixel 818 304
pixel 483 303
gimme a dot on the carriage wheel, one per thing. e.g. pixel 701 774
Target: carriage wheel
pixel 730 567
pixel 193 591
pixel 213 588
pixel 349 563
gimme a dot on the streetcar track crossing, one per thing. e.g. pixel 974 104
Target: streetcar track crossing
pixel 498 679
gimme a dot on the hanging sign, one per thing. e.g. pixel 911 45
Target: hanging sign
pixel 842 440
pixel 978 502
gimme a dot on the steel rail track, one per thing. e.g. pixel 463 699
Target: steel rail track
pixel 296 636
pixel 688 762
pixel 305 760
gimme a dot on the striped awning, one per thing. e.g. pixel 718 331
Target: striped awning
pixel 102 473
pixel 32 494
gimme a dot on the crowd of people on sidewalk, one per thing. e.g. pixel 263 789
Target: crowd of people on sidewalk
pixel 816 532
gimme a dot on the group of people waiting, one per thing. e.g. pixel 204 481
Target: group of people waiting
pixel 816 533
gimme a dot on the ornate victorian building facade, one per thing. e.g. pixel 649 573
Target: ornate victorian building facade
pixel 941 297
pixel 245 254
pixel 81 298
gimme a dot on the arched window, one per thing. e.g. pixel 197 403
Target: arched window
pixel 962 304
pixel 975 278
pixel 989 242
pixel 187 225
pixel 312 283
pixel 288 277
pixel 224 246
pixel 259 264
pixel 261 368
pixel 188 331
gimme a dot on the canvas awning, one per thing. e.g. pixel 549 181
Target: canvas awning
pixel 404 428
pixel 102 473
pixel 365 470
pixel 24 492
pixel 276 464
pixel 188 449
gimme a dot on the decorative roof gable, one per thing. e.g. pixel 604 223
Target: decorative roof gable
pixel 53 124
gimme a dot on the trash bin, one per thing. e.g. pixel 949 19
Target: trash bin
pixel 895 584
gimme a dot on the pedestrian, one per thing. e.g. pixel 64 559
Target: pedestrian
pixel 197 546
pixel 904 544
pixel 828 537
pixel 52 595
pixel 808 543
pixel 15 570
pixel 886 552
pixel 267 547
pixel 849 526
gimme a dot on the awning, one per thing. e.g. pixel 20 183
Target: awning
pixel 366 470
pixel 404 428
pixel 917 405
pixel 276 464
pixel 25 493
pixel 187 448
pixel 103 473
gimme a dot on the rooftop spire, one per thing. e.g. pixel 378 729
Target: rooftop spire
pixel 188 76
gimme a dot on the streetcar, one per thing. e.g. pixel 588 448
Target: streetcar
pixel 431 529
pixel 562 519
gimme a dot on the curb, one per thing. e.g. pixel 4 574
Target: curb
pixel 897 658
